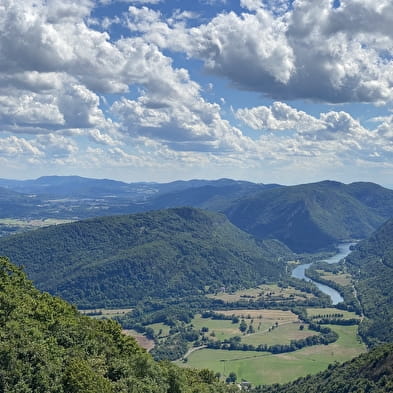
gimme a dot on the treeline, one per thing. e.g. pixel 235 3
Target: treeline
pixel 334 319
pixel 339 321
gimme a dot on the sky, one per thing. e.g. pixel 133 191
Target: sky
pixel 157 90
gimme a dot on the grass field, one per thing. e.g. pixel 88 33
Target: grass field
pixel 311 312
pixel 265 368
pixel 101 313
pixel 285 323
pixel 264 314
pixel 343 279
pixel 223 329
pixel 157 327
pixel 282 334
pixel 270 292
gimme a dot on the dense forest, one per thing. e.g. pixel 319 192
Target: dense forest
pixel 314 216
pixel 47 346
pixel 114 261
pixel 371 264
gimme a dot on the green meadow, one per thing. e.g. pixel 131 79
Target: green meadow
pixel 265 368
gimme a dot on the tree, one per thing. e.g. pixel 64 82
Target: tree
pixel 235 319
pixel 243 326
pixel 232 377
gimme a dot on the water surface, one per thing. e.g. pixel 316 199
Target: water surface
pixel 299 272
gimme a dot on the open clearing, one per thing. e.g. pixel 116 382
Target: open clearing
pixel 160 329
pixel 265 368
pixel 142 340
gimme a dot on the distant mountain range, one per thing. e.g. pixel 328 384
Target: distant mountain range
pixel 119 260
pixel 81 187
pixel 307 218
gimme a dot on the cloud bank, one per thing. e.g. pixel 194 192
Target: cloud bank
pixel 76 94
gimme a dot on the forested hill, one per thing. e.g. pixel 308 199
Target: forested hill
pixel 371 264
pixel 47 346
pixel 120 260
pixel 306 217
pixel 370 372
pixel 313 216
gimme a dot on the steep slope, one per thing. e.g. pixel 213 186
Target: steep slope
pixel 372 195
pixel 307 217
pixel 47 346
pixel 371 264
pixel 370 372
pixel 119 260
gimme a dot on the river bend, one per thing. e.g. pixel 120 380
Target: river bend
pixel 299 272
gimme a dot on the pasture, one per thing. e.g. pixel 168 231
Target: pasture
pixel 265 368
pixel 343 279
pixel 271 292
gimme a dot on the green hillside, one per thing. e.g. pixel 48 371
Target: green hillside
pixel 370 372
pixel 47 346
pixel 119 260
pixel 371 264
pixel 314 216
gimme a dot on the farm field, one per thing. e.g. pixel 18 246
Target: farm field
pixel 265 368
pixel 314 311
pixel 343 279
pixel 271 292
pixel 269 326
pixel 282 334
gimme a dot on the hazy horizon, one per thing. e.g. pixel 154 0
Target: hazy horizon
pixel 268 91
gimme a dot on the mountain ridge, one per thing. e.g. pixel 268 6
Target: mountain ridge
pixel 120 259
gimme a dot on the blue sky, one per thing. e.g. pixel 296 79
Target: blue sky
pixel 269 91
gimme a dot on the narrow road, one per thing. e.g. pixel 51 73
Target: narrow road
pixel 355 294
pixel 191 350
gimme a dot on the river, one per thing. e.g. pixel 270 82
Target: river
pixel 299 272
